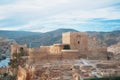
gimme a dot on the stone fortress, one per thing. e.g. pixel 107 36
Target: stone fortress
pixel 50 62
pixel 75 45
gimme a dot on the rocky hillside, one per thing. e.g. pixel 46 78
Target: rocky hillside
pixel 109 38
pixel 114 48
pixel 5 47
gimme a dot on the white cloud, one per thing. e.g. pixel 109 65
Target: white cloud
pixel 9 28
pixel 58 13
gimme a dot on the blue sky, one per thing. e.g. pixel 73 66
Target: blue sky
pixel 47 15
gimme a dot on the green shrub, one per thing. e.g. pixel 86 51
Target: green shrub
pixel 108 78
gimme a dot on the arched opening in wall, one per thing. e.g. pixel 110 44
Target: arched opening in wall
pixel 78 42
pixel 66 47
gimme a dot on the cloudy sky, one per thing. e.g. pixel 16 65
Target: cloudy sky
pixel 47 15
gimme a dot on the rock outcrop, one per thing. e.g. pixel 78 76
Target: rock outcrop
pixel 114 48
pixel 5 46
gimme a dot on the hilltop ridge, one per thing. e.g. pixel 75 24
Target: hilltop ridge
pixel 48 38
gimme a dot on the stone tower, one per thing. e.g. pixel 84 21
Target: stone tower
pixel 15 48
pixel 76 40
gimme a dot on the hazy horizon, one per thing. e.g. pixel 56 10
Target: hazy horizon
pixel 57 29
pixel 45 15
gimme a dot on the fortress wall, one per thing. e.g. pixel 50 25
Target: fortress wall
pixel 70 54
pixel 97 53
pixel 33 50
pixel 45 49
pixel 65 54
pixel 37 54
pixel 54 57
pixel 38 57
pixel 98 49
pixel 39 51
pixel 96 45
pixel 56 49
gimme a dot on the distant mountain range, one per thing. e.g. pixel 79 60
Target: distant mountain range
pixel 16 34
pixel 35 39
pixel 109 38
pixel 47 38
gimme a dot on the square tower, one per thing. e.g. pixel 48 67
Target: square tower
pixel 76 40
